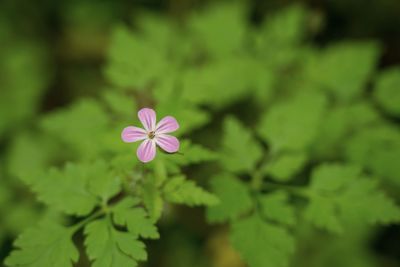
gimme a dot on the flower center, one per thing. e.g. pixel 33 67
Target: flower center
pixel 151 134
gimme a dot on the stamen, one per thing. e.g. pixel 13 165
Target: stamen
pixel 152 134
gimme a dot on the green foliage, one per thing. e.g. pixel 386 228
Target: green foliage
pixel 280 34
pixel 240 150
pixel 341 122
pixel 220 29
pixel 275 207
pixel 108 247
pixel 27 158
pixel 69 190
pixel 135 219
pixel 181 191
pixel 284 166
pixel 262 112
pixel 378 150
pixel 39 248
pixel 262 244
pixel 119 104
pixel 152 198
pixel 189 116
pixel 134 62
pixel 341 196
pixel 285 28
pixel 102 182
pixel 294 124
pixel 234 199
pixel 191 154
pixel 80 188
pixel 387 91
pixel 344 68
pixel 203 84
pixel 80 127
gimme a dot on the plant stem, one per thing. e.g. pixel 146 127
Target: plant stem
pixel 82 223
pixel 160 172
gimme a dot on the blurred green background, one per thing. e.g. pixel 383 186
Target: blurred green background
pixel 53 53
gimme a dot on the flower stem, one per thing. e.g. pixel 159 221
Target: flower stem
pixel 160 172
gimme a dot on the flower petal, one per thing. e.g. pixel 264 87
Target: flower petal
pixel 167 142
pixel 167 125
pixel 146 151
pixel 132 134
pixel 147 117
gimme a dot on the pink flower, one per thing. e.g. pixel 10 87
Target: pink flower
pixel 153 134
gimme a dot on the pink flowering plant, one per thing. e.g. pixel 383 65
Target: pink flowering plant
pixel 152 134
pixel 119 199
pixel 274 141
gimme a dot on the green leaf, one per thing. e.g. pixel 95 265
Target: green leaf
pixel 119 103
pixel 152 199
pixel 125 164
pixel 340 196
pixel 339 123
pixel 67 190
pixel 182 191
pixel 322 213
pixel 20 215
pixel 46 245
pixel 190 154
pixel 378 150
pixel 133 61
pixel 280 34
pixel 108 247
pixel 189 117
pixel 103 183
pixel 286 27
pixel 135 219
pixel 284 166
pixel 80 127
pixel 293 124
pixel 234 196
pixel 344 68
pixel 262 244
pixel 29 156
pixel 387 90
pixel 170 101
pixel 220 29
pixel 333 177
pixel 203 85
pixel 240 150
pixel 74 190
pixel 275 206
pixel 373 205
pixel 158 30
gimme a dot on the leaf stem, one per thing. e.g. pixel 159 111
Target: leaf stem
pixel 82 223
